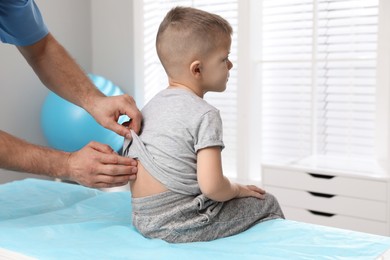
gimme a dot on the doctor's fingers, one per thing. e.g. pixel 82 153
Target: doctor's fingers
pixel 116 160
pixel 109 181
pixel 119 168
pixel 106 155
pixel 129 108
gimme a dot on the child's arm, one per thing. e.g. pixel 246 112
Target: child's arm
pixel 214 184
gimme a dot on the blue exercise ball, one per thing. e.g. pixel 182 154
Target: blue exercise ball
pixel 69 127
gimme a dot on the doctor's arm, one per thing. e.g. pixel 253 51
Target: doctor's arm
pixel 60 73
pixel 214 184
pixel 95 165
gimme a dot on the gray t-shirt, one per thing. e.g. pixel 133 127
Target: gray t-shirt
pixel 176 124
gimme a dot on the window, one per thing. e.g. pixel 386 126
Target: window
pixel 152 76
pixel 318 64
pixel 309 83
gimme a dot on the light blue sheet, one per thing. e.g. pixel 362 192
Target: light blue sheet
pixel 53 220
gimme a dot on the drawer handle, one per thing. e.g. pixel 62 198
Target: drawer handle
pixel 323 195
pixel 319 213
pixel 321 176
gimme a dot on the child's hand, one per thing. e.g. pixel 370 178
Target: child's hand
pixel 250 191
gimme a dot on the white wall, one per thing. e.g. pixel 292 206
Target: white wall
pixel 21 93
pixel 112 42
pixel 383 91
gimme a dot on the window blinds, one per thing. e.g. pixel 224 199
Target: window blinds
pixel 319 78
pixel 155 77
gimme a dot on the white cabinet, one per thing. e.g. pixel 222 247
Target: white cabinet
pixel 312 192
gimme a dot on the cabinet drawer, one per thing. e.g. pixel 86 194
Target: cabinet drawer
pixel 345 222
pixel 331 204
pixel 336 185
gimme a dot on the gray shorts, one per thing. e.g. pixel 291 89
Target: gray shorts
pixel 178 218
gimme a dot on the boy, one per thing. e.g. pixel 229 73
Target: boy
pixel 180 194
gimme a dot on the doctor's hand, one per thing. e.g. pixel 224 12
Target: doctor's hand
pixel 96 165
pixel 107 110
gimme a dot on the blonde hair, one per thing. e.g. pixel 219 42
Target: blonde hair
pixel 187 33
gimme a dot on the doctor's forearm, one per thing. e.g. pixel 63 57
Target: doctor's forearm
pixel 19 155
pixel 60 73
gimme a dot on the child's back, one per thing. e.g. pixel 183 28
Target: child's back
pixel 171 120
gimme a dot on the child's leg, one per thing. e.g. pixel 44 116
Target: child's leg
pixel 235 216
pixel 177 218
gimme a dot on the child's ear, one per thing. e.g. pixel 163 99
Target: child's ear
pixel 195 69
